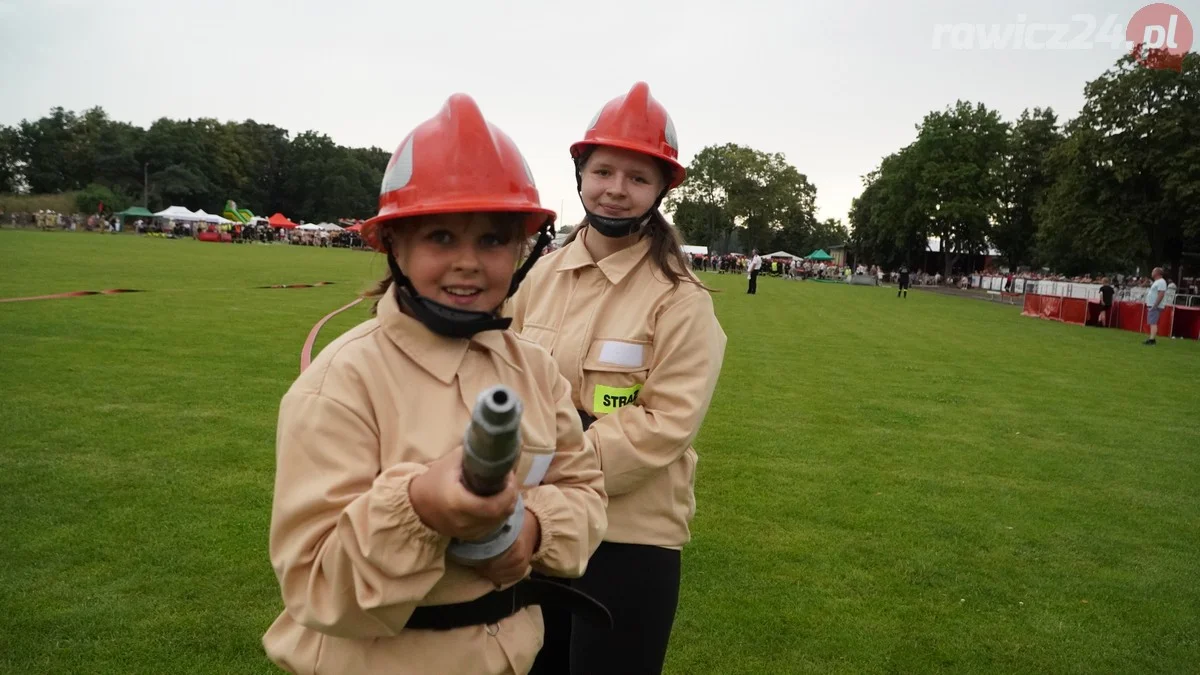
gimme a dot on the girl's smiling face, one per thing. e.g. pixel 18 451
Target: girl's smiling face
pixel 463 260
pixel 620 183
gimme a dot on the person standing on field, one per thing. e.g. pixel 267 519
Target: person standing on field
pixel 1106 302
pixel 753 269
pixel 1155 299
pixel 634 331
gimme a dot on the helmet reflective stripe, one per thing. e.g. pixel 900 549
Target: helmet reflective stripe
pixel 400 172
pixel 669 132
pixel 595 119
pixel 528 172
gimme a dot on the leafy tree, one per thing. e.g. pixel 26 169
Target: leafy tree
pixel 734 188
pixel 1079 226
pixel 959 153
pixel 890 226
pixel 93 196
pixel 1137 139
pixel 829 232
pixel 1026 177
pixel 12 160
pixel 46 146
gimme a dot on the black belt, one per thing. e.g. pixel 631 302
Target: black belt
pixel 499 605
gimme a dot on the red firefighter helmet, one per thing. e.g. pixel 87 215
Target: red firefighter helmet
pixel 638 122
pixel 456 162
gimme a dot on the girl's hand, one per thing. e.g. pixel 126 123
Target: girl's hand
pixel 442 501
pixel 512 565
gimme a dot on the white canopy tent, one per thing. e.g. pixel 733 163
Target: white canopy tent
pixel 782 254
pixel 689 249
pixel 176 213
pixel 310 227
pixel 210 217
pixel 329 227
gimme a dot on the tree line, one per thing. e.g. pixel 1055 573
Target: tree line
pixel 1115 189
pixel 197 163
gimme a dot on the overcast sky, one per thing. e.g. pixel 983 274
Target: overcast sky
pixel 835 87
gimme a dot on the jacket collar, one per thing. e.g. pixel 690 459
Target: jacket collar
pixel 440 356
pixel 615 267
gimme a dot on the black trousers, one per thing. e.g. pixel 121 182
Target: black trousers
pixel 753 282
pixel 640 586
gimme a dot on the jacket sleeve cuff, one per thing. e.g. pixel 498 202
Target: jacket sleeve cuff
pixel 550 512
pixel 392 509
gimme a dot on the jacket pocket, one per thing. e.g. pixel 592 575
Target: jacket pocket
pixel 614 372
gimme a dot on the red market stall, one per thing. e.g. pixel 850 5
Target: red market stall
pixel 280 220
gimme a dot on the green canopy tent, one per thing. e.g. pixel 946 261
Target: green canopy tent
pixel 819 254
pixel 134 212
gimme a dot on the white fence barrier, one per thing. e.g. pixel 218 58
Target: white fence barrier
pixel 995 283
pixel 1070 289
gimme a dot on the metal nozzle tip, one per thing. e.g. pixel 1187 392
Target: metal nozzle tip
pixel 498 405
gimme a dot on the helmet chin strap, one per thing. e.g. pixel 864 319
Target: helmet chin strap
pixel 615 227
pixel 545 236
pixel 444 320
pixel 453 322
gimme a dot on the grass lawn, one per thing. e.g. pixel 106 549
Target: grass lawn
pixel 935 484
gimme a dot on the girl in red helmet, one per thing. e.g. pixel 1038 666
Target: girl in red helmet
pixel 369 491
pixel 634 332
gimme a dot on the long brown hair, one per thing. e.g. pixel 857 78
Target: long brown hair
pixel 511 224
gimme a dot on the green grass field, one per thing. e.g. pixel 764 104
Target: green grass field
pixel 885 486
